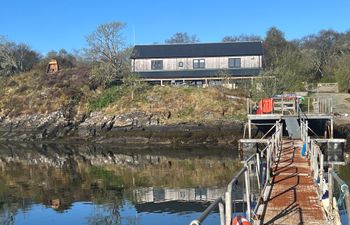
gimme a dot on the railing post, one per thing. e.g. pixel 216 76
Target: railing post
pixel 247 190
pixel 258 171
pixel 306 129
pixel 281 135
pixel 332 128
pixel 302 130
pixel 330 194
pixel 308 142
pixel 268 153
pixel 321 174
pixel 228 204
pixel 222 213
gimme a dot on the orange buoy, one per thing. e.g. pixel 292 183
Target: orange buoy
pixel 240 220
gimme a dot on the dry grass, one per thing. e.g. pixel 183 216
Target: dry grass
pixel 69 90
pixel 180 104
pixel 34 92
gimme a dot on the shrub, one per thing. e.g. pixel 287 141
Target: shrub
pixel 108 96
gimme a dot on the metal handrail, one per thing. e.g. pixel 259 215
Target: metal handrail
pixel 218 202
pixel 344 188
pixel 271 149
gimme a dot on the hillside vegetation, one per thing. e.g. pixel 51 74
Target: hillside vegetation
pixel 70 91
pixel 87 79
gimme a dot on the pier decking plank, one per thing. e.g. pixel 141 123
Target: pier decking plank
pixel 293 198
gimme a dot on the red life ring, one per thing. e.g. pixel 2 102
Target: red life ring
pixel 240 220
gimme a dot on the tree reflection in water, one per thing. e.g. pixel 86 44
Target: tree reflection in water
pixel 108 215
pixel 57 176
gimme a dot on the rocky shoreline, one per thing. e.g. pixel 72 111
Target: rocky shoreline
pixel 129 128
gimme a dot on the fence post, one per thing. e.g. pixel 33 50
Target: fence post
pixel 247 189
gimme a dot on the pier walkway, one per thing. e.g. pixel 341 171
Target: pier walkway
pixel 293 198
pixel 288 175
pixel 286 181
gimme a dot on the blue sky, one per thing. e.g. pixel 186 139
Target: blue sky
pixel 52 25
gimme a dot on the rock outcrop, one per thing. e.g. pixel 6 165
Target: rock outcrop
pixel 133 127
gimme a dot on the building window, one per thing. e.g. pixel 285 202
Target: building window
pixel 234 62
pixel 198 63
pixel 181 64
pixel 157 64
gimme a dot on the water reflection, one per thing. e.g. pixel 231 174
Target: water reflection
pixel 83 184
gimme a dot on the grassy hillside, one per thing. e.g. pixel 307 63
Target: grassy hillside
pixel 69 91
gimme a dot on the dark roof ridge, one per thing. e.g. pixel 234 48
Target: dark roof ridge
pixel 198 43
pixel 198 50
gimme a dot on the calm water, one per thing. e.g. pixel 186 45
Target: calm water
pixel 78 184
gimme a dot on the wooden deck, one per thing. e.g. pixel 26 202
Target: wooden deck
pixel 293 197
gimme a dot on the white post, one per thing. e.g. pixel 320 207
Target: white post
pixel 330 193
pixel 306 129
pixel 258 170
pixel 228 206
pixel 247 190
pixel 321 173
pixel 222 213
pixel 332 127
pixel 268 151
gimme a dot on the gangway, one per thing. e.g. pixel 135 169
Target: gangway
pixel 286 182
pixel 292 127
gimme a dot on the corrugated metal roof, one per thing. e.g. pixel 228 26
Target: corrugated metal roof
pixel 197 50
pixel 197 73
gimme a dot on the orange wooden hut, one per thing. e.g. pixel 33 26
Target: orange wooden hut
pixel 52 67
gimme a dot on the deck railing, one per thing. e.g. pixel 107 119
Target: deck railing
pixel 317 164
pixel 256 169
pixel 343 201
pixel 290 106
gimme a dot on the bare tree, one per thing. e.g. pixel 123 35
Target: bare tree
pixel 8 63
pixel 25 57
pixel 16 58
pixel 107 46
pixel 182 38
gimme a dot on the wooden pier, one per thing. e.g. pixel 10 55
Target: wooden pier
pixel 293 198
